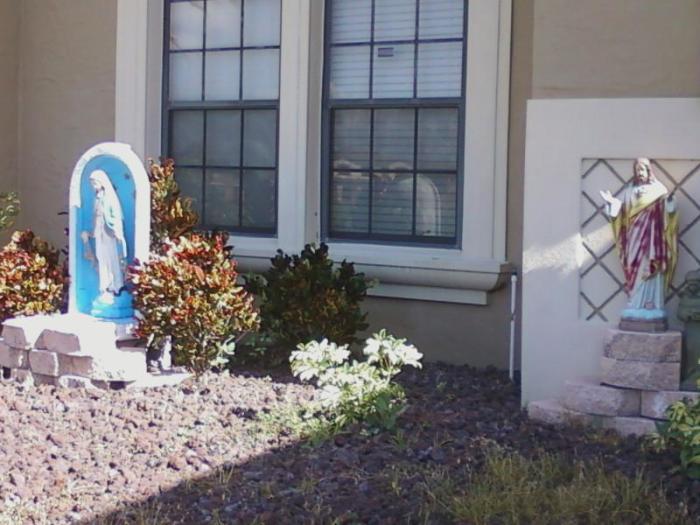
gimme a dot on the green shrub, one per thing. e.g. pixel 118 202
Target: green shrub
pixel 171 215
pixel 682 432
pixel 9 209
pixel 32 280
pixel 189 293
pixel 513 490
pixel 304 298
pixel 357 392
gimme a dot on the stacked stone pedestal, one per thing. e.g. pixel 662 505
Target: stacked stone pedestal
pixel 640 378
pixel 72 350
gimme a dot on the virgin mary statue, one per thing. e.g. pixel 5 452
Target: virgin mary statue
pixel 645 227
pixel 110 243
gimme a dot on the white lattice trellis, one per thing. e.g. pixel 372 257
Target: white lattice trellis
pixel 601 281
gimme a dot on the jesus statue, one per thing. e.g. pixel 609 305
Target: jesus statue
pixel 110 243
pixel 645 227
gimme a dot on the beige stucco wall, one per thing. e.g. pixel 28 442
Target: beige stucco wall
pixel 458 334
pixel 620 48
pixel 559 342
pixel 9 71
pixel 594 49
pixel 66 100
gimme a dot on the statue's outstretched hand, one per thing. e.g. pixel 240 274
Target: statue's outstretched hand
pixel 607 196
pixel 613 204
pixel 85 236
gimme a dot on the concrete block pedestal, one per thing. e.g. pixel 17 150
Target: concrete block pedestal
pixel 75 350
pixel 588 396
pixel 640 378
pixel 662 347
pixel 654 404
pixel 640 375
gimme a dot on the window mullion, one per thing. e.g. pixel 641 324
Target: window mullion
pixel 241 170
pixel 370 201
pixel 204 55
pixel 371 54
pixel 240 56
pixel 394 103
pixel 415 171
pixel 204 170
pixel 415 52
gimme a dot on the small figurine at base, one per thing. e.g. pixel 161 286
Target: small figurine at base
pixel 158 358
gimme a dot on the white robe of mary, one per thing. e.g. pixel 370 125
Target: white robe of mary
pixel 109 239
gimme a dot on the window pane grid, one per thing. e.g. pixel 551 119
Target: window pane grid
pixel 390 58
pixel 405 200
pixel 394 117
pixel 220 109
pixel 244 157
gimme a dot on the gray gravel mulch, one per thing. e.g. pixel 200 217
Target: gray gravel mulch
pixel 195 453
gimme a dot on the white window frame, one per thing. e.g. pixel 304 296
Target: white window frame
pixel 462 275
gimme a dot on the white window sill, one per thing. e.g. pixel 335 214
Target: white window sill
pixel 468 284
pixel 429 293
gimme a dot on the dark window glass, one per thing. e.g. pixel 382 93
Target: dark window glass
pixel 220 108
pixel 393 115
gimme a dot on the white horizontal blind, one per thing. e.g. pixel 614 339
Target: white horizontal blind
pixel 395 103
pixel 383 40
pixel 221 107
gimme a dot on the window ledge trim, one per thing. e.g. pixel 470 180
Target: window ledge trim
pixel 468 285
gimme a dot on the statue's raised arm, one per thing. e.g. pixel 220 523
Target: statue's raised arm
pixel 612 204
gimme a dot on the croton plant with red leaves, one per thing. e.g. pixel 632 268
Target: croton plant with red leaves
pixel 32 279
pixel 171 213
pixel 189 293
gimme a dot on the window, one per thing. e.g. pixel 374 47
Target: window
pixel 394 120
pixel 433 264
pixel 220 109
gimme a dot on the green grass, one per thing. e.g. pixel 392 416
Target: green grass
pixel 512 490
pixel 303 423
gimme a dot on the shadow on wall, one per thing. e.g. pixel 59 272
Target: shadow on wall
pixel 458 334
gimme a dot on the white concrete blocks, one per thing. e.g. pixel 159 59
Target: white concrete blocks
pixel 74 382
pixel 24 377
pixel 664 347
pixel 82 335
pixel 630 426
pixel 112 365
pixel 42 380
pixel 13 357
pixel 22 332
pixel 43 362
pixel 640 378
pixel 641 375
pixel 593 398
pixel 73 350
pixel 551 411
pixel 654 404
